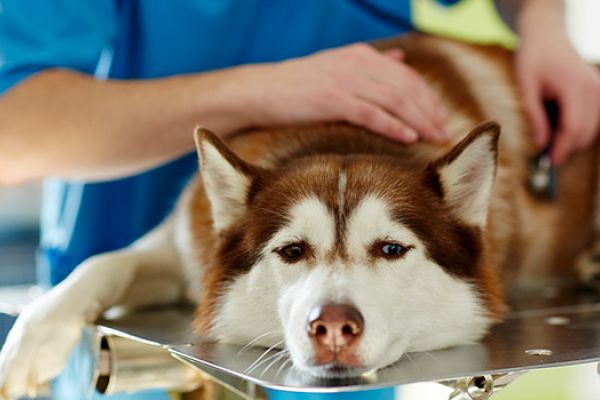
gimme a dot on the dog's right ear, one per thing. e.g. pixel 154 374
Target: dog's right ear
pixel 463 177
pixel 227 179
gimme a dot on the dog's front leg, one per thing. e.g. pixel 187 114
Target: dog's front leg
pixel 36 349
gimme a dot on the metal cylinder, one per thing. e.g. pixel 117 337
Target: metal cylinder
pixel 480 387
pixel 125 366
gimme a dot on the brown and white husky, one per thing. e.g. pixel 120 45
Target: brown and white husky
pixel 347 248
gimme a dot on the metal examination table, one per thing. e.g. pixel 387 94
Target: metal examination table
pixel 549 326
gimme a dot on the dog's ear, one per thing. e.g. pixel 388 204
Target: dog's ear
pixel 463 177
pixel 227 178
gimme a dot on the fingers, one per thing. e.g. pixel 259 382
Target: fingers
pixel 398 105
pixel 368 115
pixel 398 93
pixel 559 73
pixel 566 136
pixel 425 111
pixel 533 101
pixel 578 124
pixel 395 54
pixel 356 83
pixel 431 105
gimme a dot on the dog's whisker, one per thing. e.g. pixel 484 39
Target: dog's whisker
pixel 409 358
pixel 267 359
pixel 282 366
pixel 397 368
pixel 258 359
pixel 252 366
pixel 256 339
pixel 277 355
pixel 430 355
pixel 282 354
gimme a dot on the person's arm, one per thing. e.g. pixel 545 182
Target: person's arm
pixel 62 123
pixel 548 67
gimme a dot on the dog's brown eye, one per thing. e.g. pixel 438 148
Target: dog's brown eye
pixel 292 252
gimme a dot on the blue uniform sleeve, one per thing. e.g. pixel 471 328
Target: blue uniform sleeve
pixel 40 34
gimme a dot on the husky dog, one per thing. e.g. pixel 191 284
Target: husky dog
pixel 348 248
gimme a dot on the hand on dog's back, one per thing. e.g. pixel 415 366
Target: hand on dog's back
pixel 355 83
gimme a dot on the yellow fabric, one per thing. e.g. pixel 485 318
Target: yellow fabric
pixel 469 20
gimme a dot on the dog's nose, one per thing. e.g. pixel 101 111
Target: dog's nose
pixel 335 326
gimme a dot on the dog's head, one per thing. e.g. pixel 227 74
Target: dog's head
pixel 349 261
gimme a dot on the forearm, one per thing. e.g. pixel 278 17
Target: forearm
pixel 61 123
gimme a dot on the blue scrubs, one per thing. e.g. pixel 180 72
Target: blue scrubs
pixel 128 39
pixel 150 39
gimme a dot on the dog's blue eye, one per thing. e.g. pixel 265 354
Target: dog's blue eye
pixel 391 250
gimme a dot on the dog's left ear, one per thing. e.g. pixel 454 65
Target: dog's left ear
pixel 226 177
pixel 464 176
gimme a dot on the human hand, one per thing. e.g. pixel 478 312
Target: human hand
pixel 355 83
pixel 548 67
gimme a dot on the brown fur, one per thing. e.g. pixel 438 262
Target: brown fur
pixel 524 236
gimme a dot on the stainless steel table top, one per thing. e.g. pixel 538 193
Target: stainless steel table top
pixel 549 326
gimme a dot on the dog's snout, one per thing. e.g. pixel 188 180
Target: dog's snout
pixel 334 327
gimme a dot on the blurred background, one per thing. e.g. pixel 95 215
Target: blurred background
pixel 473 20
pixel 477 21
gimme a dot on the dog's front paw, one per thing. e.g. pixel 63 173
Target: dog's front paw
pixel 36 350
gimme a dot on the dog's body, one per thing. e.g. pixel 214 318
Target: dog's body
pixel 345 247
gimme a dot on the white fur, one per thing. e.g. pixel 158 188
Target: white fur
pixel 148 272
pixel 186 248
pixel 467 181
pixel 342 186
pixel 251 302
pixel 225 186
pixel 409 304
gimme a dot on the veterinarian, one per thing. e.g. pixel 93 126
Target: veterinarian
pixel 106 91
